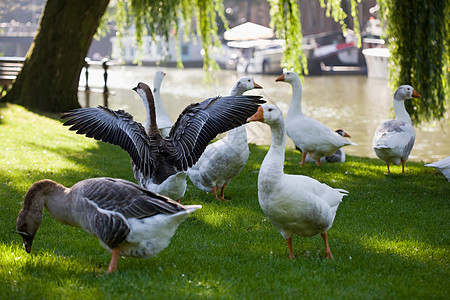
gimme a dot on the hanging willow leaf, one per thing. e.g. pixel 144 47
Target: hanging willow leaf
pixel 418 33
pixel 285 20
pixel 159 18
pixel 162 18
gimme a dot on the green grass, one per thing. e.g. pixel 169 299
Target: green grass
pixel 390 238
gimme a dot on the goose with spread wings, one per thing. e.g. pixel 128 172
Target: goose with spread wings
pixel 159 163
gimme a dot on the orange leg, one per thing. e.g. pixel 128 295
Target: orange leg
pixel 222 193
pixel 303 159
pixel 319 163
pixel 327 246
pixel 214 190
pixel 291 252
pixel 403 166
pixel 113 264
pixel 389 171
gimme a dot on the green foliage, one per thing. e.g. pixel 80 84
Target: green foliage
pixel 418 33
pixel 163 18
pixel 390 238
pixel 285 19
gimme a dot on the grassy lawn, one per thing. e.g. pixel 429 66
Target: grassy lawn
pixel 390 238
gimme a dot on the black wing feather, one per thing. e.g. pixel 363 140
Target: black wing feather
pixel 127 198
pixel 114 127
pixel 199 123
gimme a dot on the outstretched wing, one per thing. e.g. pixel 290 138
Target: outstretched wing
pixel 199 123
pixel 114 127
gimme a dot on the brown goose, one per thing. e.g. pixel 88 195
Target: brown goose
pixel 127 219
pixel 159 164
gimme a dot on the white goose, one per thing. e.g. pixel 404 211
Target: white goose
pixel 443 166
pixel 223 160
pixel 293 203
pixel 160 164
pixel 338 156
pixel 394 139
pixel 310 135
pixel 162 117
pixel 127 219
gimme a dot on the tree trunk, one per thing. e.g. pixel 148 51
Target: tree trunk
pixel 50 75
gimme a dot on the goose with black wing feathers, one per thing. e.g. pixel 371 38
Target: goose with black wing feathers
pixel 159 163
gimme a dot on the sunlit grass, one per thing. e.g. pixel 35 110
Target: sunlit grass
pixel 390 238
pixel 406 249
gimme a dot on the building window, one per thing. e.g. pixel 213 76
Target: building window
pixel 185 49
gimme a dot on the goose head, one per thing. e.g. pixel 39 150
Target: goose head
pixel 288 76
pixel 159 76
pixel 244 84
pixel 342 132
pixel 144 91
pixel 406 92
pixel 27 226
pixel 267 113
pixel 30 216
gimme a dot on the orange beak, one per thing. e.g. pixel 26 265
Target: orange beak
pixel 258 116
pixel 256 86
pixel 347 135
pixel 416 94
pixel 281 78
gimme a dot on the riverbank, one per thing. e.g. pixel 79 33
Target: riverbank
pixel 389 238
pixel 354 103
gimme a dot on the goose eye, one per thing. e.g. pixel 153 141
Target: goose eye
pixel 249 80
pixel 270 109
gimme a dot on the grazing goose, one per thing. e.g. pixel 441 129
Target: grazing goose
pixel 223 160
pixel 293 203
pixel 127 219
pixel 338 156
pixel 394 139
pixel 443 166
pixel 308 134
pixel 159 164
pixel 162 117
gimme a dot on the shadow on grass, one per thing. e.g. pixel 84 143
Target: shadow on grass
pixel 231 248
pixel 231 267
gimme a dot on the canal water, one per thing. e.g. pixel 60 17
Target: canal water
pixel 354 103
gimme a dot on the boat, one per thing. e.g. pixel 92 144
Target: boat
pixel 377 60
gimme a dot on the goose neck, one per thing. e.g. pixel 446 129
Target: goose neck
pixel 157 95
pixel 151 112
pixel 236 91
pixel 295 106
pixel 274 160
pixel 400 111
pixel 51 195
